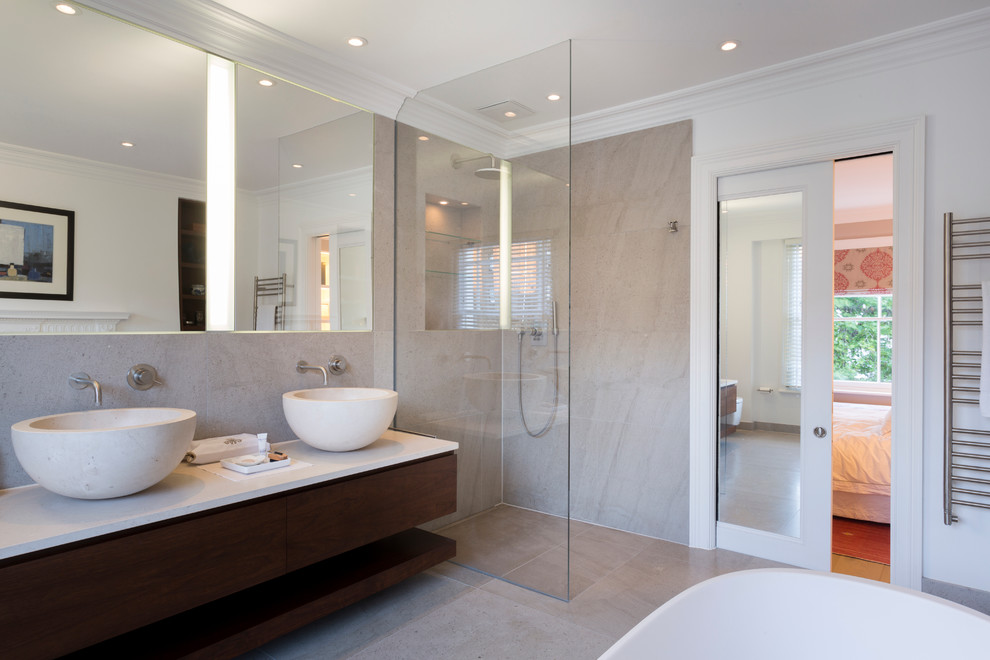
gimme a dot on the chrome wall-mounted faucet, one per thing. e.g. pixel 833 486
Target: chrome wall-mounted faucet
pixel 302 367
pixel 81 381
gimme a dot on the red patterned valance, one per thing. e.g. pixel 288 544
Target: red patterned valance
pixel 864 270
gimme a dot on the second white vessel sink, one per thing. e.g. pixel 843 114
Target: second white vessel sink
pixel 99 454
pixel 339 418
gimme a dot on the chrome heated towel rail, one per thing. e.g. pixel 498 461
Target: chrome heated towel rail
pixel 271 288
pixel 967 432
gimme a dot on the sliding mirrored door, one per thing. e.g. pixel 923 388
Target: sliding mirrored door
pixel 775 367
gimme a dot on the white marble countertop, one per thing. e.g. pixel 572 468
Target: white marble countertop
pixel 32 518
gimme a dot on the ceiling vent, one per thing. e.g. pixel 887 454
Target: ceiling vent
pixel 506 111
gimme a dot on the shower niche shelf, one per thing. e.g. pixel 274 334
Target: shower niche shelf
pixel 451 238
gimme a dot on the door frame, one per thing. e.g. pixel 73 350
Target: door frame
pixel 906 139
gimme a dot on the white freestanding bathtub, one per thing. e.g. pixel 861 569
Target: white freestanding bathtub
pixel 792 613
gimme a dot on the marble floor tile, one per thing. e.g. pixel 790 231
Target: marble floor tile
pixel 481 624
pixel 590 558
pixel 606 608
pixel 616 536
pixel 348 630
pixel 462 574
pixel 631 588
pixel 504 538
pixel 450 611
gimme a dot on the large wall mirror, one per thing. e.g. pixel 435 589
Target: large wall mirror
pixel 105 120
pixel 108 121
pixel 303 210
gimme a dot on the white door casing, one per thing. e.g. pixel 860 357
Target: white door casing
pixel 906 140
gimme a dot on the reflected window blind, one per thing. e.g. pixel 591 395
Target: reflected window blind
pixel 477 292
pixel 793 257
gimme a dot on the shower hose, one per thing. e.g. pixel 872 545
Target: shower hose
pixel 556 390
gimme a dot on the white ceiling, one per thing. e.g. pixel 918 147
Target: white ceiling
pixel 623 50
pixel 96 82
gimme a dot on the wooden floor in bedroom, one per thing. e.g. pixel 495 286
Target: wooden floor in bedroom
pixel 861 539
pixel 870 570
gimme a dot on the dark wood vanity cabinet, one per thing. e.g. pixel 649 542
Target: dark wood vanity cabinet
pixel 330 521
pixel 222 582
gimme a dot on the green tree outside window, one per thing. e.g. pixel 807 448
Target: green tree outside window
pixel 863 338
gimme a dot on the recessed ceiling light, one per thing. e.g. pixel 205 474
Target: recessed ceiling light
pixel 127 144
pixel 423 138
pixel 352 194
pixel 357 42
pixel 464 204
pixel 510 114
pixel 66 8
pixel 298 166
pixel 729 45
pixel 444 202
pixel 265 82
pixel 553 97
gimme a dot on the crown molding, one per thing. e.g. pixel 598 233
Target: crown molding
pixel 18 156
pixel 945 38
pixel 216 29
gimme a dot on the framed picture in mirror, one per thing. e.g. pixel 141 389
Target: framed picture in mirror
pixel 36 252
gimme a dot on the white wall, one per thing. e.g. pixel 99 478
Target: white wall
pixel 952 92
pixel 753 285
pixel 126 236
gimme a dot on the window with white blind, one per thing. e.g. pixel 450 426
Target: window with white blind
pixel 792 313
pixel 477 293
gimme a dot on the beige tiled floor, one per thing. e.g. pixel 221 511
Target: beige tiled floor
pixel 530 549
pixel 455 612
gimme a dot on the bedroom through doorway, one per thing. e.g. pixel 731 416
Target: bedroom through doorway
pixel 863 307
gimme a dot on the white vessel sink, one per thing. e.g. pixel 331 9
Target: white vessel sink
pixel 99 454
pixel 339 418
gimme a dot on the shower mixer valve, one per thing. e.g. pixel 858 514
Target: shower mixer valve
pixel 538 336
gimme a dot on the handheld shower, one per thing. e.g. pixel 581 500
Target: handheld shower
pixel 556 376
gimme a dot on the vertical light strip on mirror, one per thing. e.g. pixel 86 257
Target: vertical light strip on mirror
pixel 220 194
pixel 505 246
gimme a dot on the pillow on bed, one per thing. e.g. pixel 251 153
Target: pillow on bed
pixel 885 427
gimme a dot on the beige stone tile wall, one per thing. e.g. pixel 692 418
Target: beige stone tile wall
pixel 629 331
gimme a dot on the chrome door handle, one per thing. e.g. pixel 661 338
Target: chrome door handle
pixel 820 432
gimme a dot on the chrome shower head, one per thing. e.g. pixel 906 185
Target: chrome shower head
pixel 490 173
